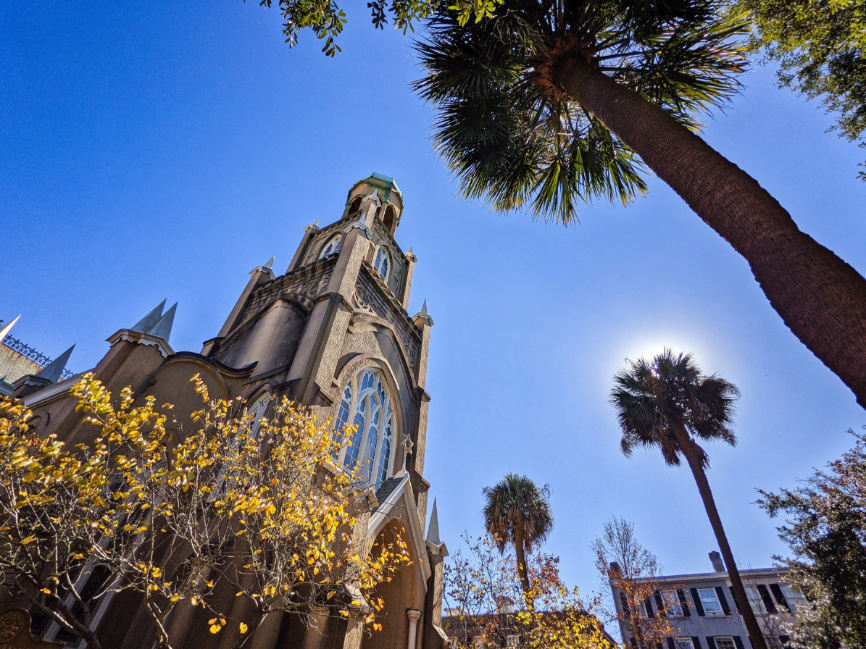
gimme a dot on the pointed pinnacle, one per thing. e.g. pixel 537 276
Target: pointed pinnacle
pixel 270 263
pixel 55 368
pixel 150 319
pixel 162 329
pixel 424 307
pixel 316 224
pixel 5 329
pixel 433 528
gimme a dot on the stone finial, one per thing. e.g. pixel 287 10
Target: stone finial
pixel 54 370
pixel 5 329
pixel 372 196
pixel 433 529
pixel 147 322
pixel 423 318
pixel 407 445
pixel 270 263
pixel 312 227
pixel 162 329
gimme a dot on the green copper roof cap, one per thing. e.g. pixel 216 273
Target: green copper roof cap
pixel 382 181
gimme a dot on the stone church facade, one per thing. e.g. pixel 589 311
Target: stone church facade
pixel 332 332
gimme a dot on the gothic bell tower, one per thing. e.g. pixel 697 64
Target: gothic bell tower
pixel 333 333
pixel 335 327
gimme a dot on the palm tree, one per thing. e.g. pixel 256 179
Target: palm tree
pixel 518 512
pixel 547 103
pixel 669 404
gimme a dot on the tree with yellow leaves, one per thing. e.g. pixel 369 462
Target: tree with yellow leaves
pixel 482 592
pixel 236 501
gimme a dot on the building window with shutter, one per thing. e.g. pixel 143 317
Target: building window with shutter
pixel 672 604
pixel 755 600
pixel 725 642
pixel 793 596
pixel 512 640
pixel 710 602
pixel 684 643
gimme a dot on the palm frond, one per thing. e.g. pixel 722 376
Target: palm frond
pixel 517 503
pixel 651 398
pixel 513 143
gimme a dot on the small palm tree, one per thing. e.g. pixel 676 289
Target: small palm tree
pixel 669 404
pixel 518 512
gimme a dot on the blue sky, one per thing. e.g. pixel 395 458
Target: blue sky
pixel 164 149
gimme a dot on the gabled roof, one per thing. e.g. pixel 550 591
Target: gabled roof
pixel 388 510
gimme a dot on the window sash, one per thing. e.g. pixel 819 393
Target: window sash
pixel 673 608
pixel 710 601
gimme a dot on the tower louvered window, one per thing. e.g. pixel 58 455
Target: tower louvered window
pixel 367 405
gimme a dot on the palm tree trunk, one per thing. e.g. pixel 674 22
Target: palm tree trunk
pixel 522 572
pixel 756 637
pixel 819 296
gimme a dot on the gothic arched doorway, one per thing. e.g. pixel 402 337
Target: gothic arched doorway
pixel 399 595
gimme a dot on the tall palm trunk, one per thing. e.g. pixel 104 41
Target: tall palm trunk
pixel 819 296
pixel 693 458
pixel 522 572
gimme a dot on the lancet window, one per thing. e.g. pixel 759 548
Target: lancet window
pixel 257 411
pixel 367 405
pixel 383 263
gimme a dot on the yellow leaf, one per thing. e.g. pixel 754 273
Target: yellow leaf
pixel 243 628
pixel 46 591
pixel 215 628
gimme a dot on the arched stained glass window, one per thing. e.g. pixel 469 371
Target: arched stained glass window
pixel 257 411
pixel 332 247
pixel 383 263
pixel 367 404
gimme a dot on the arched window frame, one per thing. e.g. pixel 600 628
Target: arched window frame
pixel 332 247
pixel 382 264
pixel 367 403
pixel 258 410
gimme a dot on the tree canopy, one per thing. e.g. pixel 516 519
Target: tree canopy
pixel 826 534
pixel 820 46
pixel 237 502
pixel 481 597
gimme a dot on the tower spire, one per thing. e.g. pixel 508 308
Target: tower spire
pixel 5 329
pixel 54 370
pixel 147 322
pixel 162 329
pixel 433 529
